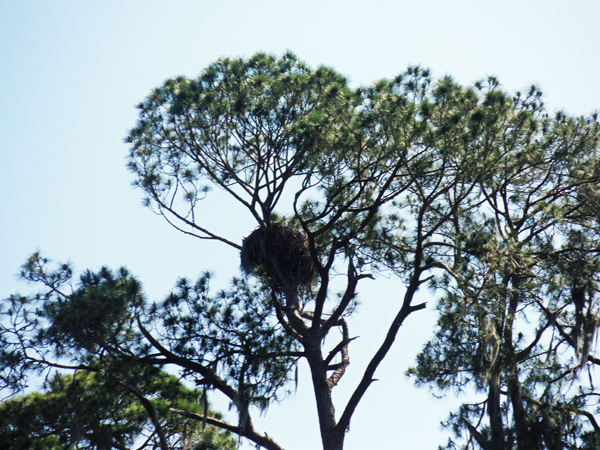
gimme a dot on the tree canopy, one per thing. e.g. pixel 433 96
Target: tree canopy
pixel 91 410
pixel 478 194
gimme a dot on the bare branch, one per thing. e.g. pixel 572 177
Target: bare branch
pixel 247 431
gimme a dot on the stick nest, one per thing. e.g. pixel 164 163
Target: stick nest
pixel 278 254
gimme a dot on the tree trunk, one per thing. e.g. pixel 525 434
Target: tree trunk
pixel 498 440
pixel 331 438
pixel 527 439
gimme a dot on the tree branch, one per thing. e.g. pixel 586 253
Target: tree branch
pixel 483 443
pixel 367 378
pixel 213 378
pixel 248 431
pixel 591 418
pixel 149 407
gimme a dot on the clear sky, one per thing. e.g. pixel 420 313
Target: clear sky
pixel 72 71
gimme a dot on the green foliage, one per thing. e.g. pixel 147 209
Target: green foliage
pixel 478 193
pixel 100 312
pixel 88 410
pixel 520 309
pixel 234 333
pixel 247 126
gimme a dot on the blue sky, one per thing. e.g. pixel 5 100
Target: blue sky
pixel 72 71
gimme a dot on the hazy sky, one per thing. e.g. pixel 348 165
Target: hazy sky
pixel 72 71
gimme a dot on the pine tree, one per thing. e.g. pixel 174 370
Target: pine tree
pixel 464 189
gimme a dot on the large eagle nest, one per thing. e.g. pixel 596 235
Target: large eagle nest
pixel 280 255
